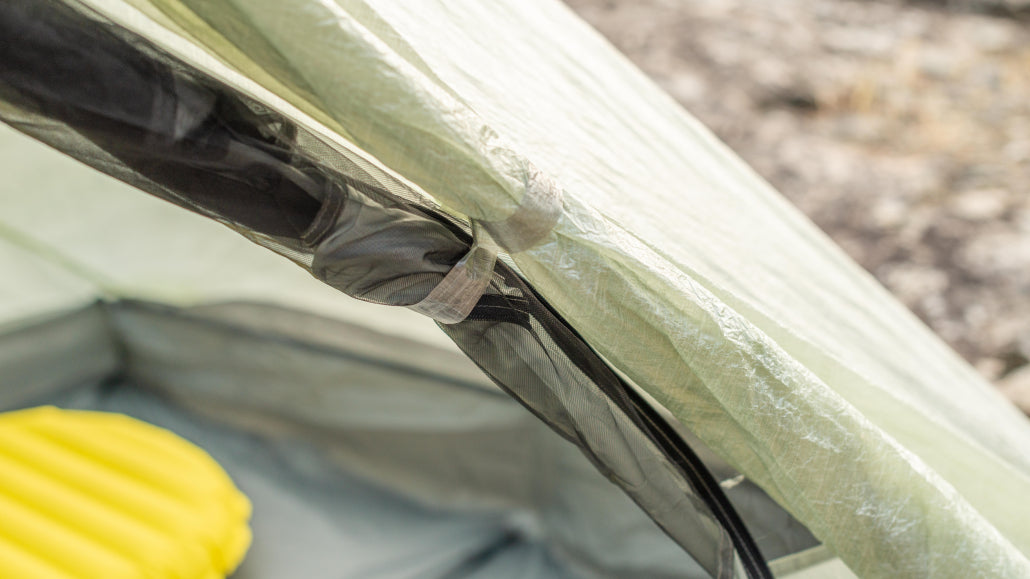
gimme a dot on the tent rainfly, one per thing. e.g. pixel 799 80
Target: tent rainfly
pixel 714 389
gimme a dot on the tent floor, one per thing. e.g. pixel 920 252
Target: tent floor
pixel 319 522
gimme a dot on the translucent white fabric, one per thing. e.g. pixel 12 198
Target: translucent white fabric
pixel 671 257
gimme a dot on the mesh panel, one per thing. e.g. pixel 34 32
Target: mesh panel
pixel 110 99
pixel 531 353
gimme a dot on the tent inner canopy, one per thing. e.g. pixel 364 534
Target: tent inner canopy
pixel 362 452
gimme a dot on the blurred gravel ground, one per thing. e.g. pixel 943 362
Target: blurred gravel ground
pixel 901 128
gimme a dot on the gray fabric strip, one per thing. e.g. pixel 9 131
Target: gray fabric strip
pixel 452 300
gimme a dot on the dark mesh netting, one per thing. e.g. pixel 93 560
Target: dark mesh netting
pixel 161 123
pixel 109 98
pixel 530 352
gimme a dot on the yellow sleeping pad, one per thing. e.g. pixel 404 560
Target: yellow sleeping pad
pixel 93 495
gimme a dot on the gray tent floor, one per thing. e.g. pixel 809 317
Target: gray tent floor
pixel 315 521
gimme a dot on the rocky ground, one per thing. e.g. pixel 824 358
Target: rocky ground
pixel 901 128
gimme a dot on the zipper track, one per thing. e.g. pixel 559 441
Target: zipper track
pixel 705 485
pixel 657 429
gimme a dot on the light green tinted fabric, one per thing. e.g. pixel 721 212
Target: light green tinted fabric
pixel 814 563
pixel 681 267
pixel 382 98
pixel 30 288
pixel 713 293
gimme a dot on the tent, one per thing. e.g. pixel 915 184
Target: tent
pixel 714 389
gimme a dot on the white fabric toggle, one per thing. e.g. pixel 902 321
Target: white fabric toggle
pixel 533 219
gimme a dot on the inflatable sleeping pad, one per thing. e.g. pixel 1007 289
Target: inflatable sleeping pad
pixel 93 495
